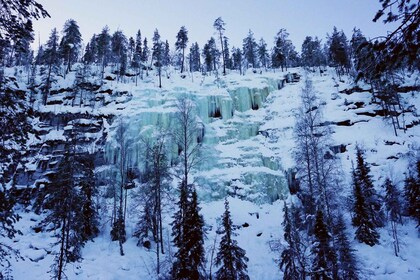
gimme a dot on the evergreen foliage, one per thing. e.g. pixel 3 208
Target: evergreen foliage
pixel 219 25
pixel 71 212
pixel 347 267
pixel 250 48
pixel 195 63
pixel 412 194
pixel 181 44
pixel 284 54
pixel 188 236
pixel 312 55
pixel 230 257
pixel 70 43
pixel 362 212
pixel 16 18
pixel 292 258
pixel 324 255
pixel 339 51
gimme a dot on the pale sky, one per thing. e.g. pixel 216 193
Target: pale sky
pixel 300 18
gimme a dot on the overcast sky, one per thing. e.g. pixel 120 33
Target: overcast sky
pixel 300 18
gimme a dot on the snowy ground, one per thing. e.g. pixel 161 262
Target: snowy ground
pixel 238 156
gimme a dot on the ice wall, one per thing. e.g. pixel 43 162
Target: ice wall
pixel 228 126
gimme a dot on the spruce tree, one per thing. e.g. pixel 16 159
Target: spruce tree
pixel 291 258
pixel 364 178
pixel 70 43
pixel 339 51
pixel 362 216
pixel 72 215
pixel 181 44
pixel 219 25
pixel 346 259
pixel 250 49
pixel 188 237
pixel 392 203
pixel 195 63
pixel 230 257
pixel 263 53
pixel 51 59
pixel 412 194
pixel 324 255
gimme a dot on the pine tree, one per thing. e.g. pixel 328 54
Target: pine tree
pixel 130 50
pixel 90 220
pixel 250 49
pixel 51 58
pixel 230 257
pixel 364 178
pixel 187 230
pixel 91 51
pixel 324 256
pixel 16 18
pixel 70 43
pixel 219 25
pixel 338 51
pixel 263 53
pixel 119 52
pixel 312 55
pixel 181 44
pixel 362 215
pixel 226 55
pixel 195 63
pixel 166 60
pixel 291 258
pixel 157 54
pixel 145 53
pixel 237 59
pixel 392 203
pixel 104 49
pixel 283 52
pixel 68 197
pixel 412 194
pixel 138 50
pixel 346 258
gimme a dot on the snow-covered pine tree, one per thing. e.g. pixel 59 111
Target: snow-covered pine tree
pixel 68 198
pixel 412 194
pixel 103 49
pixel 347 267
pixel 181 44
pixel 324 256
pixel 90 220
pixel 195 63
pixel 70 43
pixel 392 204
pixel 292 259
pixel 231 258
pixel 263 53
pixel 362 215
pixel 339 51
pixel 51 59
pixel 312 55
pixel 119 52
pixel 250 49
pixel 283 52
pixel 364 178
pixel 188 234
pixel 219 25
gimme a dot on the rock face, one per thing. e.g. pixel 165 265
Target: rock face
pixel 229 116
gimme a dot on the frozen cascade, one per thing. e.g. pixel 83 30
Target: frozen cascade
pixel 226 121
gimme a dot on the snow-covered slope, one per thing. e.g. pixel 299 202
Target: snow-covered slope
pixel 248 141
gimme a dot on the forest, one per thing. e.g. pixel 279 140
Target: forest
pixel 109 140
